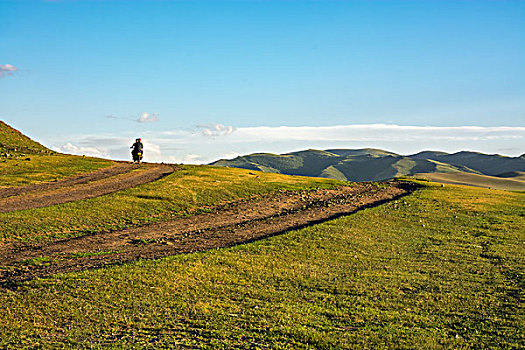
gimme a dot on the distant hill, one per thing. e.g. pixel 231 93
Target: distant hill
pixel 369 164
pixel 488 164
pixel 13 142
pixel 512 183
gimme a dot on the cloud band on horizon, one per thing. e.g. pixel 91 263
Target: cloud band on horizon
pixel 382 132
pixel 187 146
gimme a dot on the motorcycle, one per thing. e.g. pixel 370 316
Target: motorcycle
pixel 137 156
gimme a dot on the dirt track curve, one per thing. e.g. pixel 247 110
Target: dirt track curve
pixel 243 221
pixel 108 180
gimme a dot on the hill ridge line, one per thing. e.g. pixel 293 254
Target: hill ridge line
pixel 370 164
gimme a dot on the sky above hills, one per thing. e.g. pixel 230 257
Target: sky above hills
pixel 203 80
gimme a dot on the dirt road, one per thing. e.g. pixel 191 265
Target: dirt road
pixel 234 223
pixel 98 183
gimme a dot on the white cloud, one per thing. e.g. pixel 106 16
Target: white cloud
pixel 109 146
pixel 152 150
pixel 188 146
pixel 229 155
pixel 380 132
pixel 214 130
pixel 104 146
pixel 82 151
pixel 186 159
pixel 7 69
pixel 146 117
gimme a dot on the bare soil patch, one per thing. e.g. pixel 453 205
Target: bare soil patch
pixel 233 223
pixel 98 183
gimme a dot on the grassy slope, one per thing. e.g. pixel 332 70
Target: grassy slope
pixel 24 161
pixel 313 162
pixel 368 168
pixel 462 178
pixel 41 168
pixel 442 268
pixel 441 167
pixel 14 143
pixel 491 165
pixel 331 172
pixel 262 161
pixel 184 191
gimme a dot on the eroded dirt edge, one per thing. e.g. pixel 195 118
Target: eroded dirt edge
pixel 223 226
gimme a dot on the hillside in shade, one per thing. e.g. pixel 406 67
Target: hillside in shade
pixel 369 164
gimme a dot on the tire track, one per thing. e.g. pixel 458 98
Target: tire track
pixel 231 224
pixel 105 181
pixel 118 168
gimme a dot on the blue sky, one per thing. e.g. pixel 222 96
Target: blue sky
pixel 203 80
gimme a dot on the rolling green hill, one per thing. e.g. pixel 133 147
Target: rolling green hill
pixel 375 165
pixel 308 163
pixel 24 161
pixel 487 164
pixel 13 142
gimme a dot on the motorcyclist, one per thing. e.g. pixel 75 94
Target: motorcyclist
pixel 137 150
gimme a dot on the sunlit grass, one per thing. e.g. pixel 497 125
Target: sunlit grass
pixel 428 271
pixel 185 191
pixel 36 168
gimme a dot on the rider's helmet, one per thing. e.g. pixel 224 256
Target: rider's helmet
pixel 139 139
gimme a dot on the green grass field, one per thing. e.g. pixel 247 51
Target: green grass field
pixel 186 191
pixel 441 268
pixel 27 170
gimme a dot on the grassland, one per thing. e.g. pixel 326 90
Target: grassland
pixel 191 189
pixel 26 170
pixel 516 183
pixel 24 161
pixel 441 268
